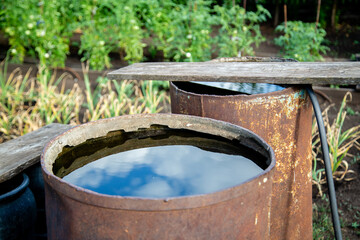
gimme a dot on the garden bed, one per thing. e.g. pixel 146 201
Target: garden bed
pixel 347 192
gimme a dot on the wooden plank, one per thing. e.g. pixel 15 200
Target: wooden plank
pixel 18 154
pixel 318 73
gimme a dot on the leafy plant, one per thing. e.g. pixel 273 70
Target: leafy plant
pixel 110 26
pixel 351 111
pixel 239 30
pixel 181 31
pixel 39 28
pixel 301 41
pixel 322 223
pixel 355 225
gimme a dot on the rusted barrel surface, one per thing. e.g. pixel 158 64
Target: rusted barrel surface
pixel 282 119
pixel 240 212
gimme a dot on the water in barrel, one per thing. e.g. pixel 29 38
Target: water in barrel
pixel 240 88
pixel 158 163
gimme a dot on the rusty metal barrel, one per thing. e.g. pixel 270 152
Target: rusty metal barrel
pixel 239 212
pixel 283 119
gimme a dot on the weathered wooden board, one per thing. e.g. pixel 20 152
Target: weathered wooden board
pixel 319 73
pixel 18 154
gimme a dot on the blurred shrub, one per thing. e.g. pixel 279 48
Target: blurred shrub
pixel 301 41
pixel 181 30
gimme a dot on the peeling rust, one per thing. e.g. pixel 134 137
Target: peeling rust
pixel 282 119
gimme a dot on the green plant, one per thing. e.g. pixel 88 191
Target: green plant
pixel 29 103
pixel 239 30
pixel 339 141
pixel 111 98
pixel 355 158
pixel 181 31
pixel 43 29
pixel 301 41
pixel 94 96
pixel 322 223
pixel 152 97
pixel 351 111
pixel 355 225
pixel 14 94
pixel 110 26
pixel 317 172
pixel 39 28
pixel 119 101
pixel 53 102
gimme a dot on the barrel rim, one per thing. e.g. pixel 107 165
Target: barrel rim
pixel 18 190
pixel 80 194
pixel 280 93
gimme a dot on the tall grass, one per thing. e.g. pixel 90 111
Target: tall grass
pixel 28 103
pixel 111 98
pixel 16 95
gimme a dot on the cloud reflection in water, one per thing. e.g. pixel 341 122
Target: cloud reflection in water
pixel 164 171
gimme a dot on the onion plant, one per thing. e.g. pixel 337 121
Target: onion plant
pixel 340 141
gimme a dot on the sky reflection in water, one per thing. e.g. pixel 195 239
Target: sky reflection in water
pixel 164 171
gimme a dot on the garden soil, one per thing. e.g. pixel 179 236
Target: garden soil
pixel 347 192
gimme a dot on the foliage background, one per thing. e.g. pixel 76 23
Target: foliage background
pixel 195 30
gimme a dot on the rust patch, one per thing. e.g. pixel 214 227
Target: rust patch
pixel 282 119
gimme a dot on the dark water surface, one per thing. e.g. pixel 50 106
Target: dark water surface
pixel 168 165
pixel 245 88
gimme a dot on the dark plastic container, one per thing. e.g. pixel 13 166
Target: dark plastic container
pixel 17 209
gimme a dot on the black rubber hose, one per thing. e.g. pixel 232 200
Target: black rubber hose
pixel 328 170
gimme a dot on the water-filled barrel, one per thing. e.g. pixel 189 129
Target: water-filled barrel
pixel 283 119
pixel 241 211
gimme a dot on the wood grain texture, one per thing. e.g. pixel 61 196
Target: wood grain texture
pixel 18 154
pixel 318 73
